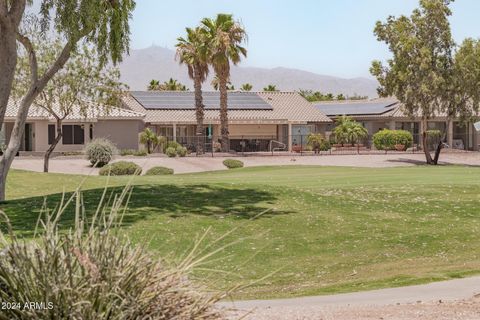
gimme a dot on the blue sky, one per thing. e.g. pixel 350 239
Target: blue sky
pixel 333 37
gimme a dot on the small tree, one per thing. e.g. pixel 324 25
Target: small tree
pixel 68 92
pixel 246 87
pixel 150 139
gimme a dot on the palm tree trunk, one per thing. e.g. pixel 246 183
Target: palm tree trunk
pixel 199 110
pixel 48 153
pixel 223 78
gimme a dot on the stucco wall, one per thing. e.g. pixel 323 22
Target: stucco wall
pixel 253 130
pixel 124 133
pixel 40 129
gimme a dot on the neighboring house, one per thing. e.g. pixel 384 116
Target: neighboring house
pixel 117 124
pixel 258 121
pixel 379 114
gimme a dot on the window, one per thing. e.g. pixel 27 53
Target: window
pixel 51 133
pixel 73 134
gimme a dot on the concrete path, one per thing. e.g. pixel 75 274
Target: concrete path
pixel 76 165
pixel 375 301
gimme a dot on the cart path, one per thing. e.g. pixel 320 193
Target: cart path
pixel 304 307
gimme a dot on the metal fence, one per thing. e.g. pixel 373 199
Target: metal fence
pixel 274 145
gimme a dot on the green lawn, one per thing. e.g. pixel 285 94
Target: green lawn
pixel 328 229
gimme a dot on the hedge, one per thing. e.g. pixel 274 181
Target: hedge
pixel 232 163
pixel 387 139
pixel 121 168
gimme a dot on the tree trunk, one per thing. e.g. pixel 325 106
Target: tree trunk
pixel 52 147
pixel 222 79
pixel 8 63
pixel 439 149
pixel 428 156
pixel 199 109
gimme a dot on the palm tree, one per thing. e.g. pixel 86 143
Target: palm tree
pixel 154 85
pixel 224 36
pixel 270 88
pixel 193 52
pixel 215 84
pixel 246 87
pixel 149 138
pixel 173 85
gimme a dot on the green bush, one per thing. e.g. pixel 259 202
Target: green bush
pixel 171 144
pixel 93 271
pixel 140 153
pixel 387 139
pixel 232 163
pixel 159 171
pixel 171 152
pixel 182 151
pixel 127 152
pixel 100 151
pixel 121 168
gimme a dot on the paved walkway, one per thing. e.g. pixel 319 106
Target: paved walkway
pixel 449 297
pixel 75 165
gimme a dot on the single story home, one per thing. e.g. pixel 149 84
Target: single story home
pixel 379 114
pixel 258 121
pixel 119 125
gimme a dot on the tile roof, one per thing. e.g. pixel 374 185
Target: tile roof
pixel 90 115
pixel 286 107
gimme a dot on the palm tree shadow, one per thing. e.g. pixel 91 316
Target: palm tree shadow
pixel 149 200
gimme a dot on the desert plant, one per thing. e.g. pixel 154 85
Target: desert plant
pixel 317 142
pixel 232 163
pixel 181 151
pixel 348 131
pixel 121 168
pixel 127 152
pixel 158 171
pixel 171 152
pixel 150 139
pixel 171 144
pixel 140 153
pixel 100 151
pixel 95 263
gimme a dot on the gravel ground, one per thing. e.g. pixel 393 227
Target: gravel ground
pixel 454 299
pixel 76 165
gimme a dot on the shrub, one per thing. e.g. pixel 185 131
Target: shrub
pixel 100 151
pixel 171 152
pixel 387 139
pixel 140 153
pixel 127 152
pixel 121 168
pixel 182 151
pixel 158 171
pixel 232 163
pixel 317 142
pixel 171 144
pixel 97 266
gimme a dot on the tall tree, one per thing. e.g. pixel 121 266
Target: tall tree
pixel 420 72
pixel 67 92
pixel 270 88
pixel 246 87
pixel 193 52
pixel 153 85
pixel 216 83
pixel 224 36
pixel 173 85
pixel 103 24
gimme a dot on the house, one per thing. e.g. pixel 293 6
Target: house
pixel 119 125
pixel 379 114
pixel 258 121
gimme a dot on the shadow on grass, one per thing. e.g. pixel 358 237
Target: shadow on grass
pixel 150 200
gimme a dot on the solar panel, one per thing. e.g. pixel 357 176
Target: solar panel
pixel 170 100
pixel 367 108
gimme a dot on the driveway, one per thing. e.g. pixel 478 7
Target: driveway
pixel 76 165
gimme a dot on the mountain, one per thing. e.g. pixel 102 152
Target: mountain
pixel 159 63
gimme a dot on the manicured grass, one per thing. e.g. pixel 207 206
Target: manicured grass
pixel 326 229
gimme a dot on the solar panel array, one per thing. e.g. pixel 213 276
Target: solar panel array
pixel 181 100
pixel 367 108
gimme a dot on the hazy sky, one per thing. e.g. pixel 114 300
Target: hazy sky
pixel 333 37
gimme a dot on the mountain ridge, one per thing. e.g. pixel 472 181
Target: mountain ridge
pixel 143 65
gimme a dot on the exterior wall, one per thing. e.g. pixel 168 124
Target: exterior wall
pixel 253 130
pixel 123 133
pixel 40 131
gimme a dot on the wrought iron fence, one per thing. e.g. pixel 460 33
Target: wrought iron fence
pixel 246 145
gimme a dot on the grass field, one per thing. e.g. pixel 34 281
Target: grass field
pixel 327 230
